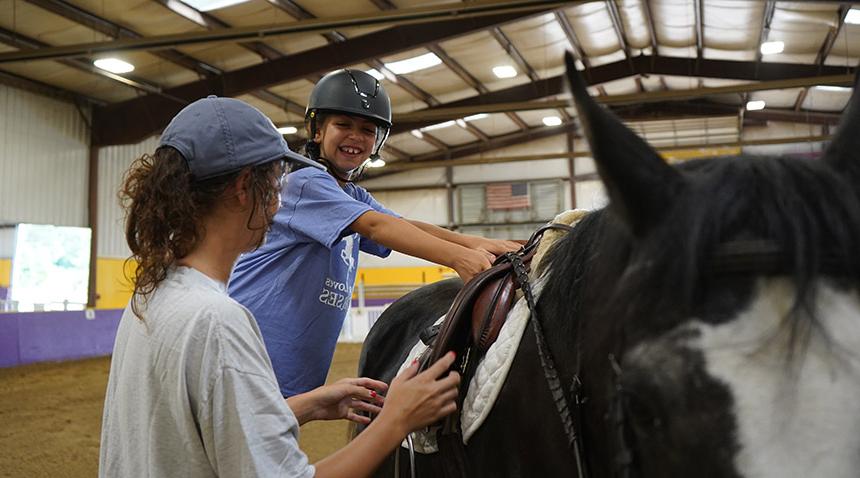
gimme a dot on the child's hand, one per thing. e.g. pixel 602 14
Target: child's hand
pixel 472 262
pixel 496 247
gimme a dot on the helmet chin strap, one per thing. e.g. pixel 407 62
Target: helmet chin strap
pixel 337 173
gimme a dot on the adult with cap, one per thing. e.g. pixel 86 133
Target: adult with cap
pixel 191 390
pixel 299 284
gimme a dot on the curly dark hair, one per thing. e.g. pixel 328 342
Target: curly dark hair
pixel 164 206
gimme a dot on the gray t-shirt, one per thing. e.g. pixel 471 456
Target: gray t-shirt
pixel 191 391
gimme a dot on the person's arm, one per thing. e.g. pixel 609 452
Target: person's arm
pixel 339 400
pixel 402 236
pixel 414 401
pixel 493 246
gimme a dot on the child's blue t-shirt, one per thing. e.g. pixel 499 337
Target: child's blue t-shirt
pixel 299 283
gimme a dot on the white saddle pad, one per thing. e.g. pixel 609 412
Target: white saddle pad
pixel 488 379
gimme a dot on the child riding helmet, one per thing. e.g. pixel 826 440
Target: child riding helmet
pixel 351 92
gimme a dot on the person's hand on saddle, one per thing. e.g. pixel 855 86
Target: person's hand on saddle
pixel 340 400
pixel 416 400
pixel 496 247
pixel 471 262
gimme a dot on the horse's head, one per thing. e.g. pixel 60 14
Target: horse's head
pixel 720 331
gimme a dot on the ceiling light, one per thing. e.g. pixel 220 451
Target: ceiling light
pixel 476 117
pixel 504 71
pixel 438 126
pixel 417 134
pixel 551 120
pixel 376 74
pixel 772 47
pixel 838 89
pixel 288 130
pixel 409 65
pixel 113 65
pixel 461 123
pixel 376 163
pixel 853 16
pixel 208 5
pixel 755 105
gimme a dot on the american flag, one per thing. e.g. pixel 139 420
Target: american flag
pixel 507 196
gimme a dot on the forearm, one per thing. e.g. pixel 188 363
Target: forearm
pixel 303 407
pixel 363 454
pixel 403 236
pixel 444 234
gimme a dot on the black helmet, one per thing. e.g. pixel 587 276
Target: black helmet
pixel 352 92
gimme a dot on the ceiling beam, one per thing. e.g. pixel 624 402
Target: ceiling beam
pixel 462 108
pixel 411 166
pixel 824 51
pixel 652 29
pixel 133 120
pixel 469 79
pixel 25 43
pixel 618 26
pixel 408 17
pixel 699 13
pixel 575 44
pixel 265 52
pixel 766 18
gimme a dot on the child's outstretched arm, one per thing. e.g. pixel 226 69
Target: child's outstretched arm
pixel 493 246
pixel 402 236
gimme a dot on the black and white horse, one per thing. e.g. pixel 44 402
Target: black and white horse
pixel 711 313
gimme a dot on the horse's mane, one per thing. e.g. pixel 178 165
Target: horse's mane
pixel 802 205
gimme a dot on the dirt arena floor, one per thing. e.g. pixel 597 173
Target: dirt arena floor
pixel 50 417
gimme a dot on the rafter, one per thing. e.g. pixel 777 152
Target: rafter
pixel 476 12
pixel 618 26
pixel 567 28
pixel 17 40
pixel 469 79
pixel 824 51
pixel 699 13
pixel 652 29
pixel 766 18
pixel 148 113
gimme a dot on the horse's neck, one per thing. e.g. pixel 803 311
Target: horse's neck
pixel 797 414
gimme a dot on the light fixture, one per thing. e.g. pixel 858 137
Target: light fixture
pixel 551 120
pixel 504 71
pixel 288 130
pixel 772 47
pixel 376 163
pixel 409 65
pixel 438 126
pixel 838 89
pixel 476 117
pixel 113 65
pixel 417 134
pixel 853 16
pixel 208 5
pixel 461 122
pixel 375 73
pixel 755 105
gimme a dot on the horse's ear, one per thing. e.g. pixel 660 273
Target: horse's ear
pixel 842 153
pixel 641 186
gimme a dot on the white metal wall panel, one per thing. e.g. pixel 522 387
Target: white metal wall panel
pixel 113 164
pixel 590 195
pixel 427 205
pixel 44 145
pixel 7 241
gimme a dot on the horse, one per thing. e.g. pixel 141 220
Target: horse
pixel 705 323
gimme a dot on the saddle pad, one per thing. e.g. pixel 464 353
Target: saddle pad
pixel 489 376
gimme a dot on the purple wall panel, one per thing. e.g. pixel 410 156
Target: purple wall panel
pixel 54 336
pixel 8 340
pixel 4 293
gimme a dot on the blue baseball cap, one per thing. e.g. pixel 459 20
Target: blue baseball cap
pixel 221 135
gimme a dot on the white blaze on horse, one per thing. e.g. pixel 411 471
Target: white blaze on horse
pixel 706 323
